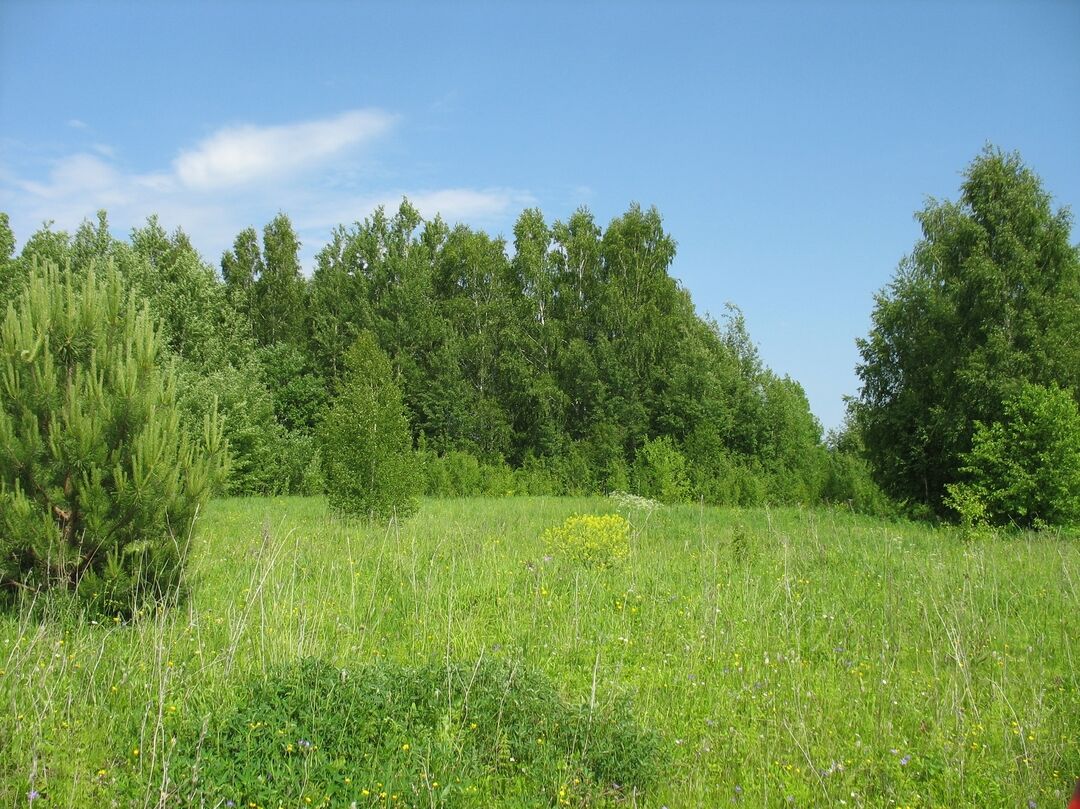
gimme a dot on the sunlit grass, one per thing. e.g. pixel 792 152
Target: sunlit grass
pixel 806 658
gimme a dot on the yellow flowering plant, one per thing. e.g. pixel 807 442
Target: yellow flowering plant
pixel 594 540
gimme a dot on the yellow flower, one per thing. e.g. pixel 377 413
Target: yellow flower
pixel 598 541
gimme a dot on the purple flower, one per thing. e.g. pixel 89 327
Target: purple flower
pixel 1031 803
pixel 32 795
pixel 904 761
pixel 303 744
pixel 230 803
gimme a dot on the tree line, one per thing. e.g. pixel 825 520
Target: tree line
pixel 569 361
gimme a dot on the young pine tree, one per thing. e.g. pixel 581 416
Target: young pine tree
pixel 99 485
pixel 364 441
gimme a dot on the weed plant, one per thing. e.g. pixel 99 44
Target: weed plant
pixel 441 734
pixel 594 540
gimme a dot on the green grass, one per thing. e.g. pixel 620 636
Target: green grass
pixel 782 658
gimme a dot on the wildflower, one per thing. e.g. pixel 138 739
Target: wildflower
pixel 303 744
pixel 33 795
pixel 904 761
pixel 405 747
pixel 600 541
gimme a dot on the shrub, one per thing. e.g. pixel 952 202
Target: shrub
pixel 461 474
pixel 364 442
pixel 99 486
pixel 257 443
pixel 1025 468
pixel 849 481
pixel 597 541
pixel 660 472
pixel 443 734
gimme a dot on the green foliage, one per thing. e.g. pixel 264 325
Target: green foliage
pixel 198 322
pixel 990 297
pixel 461 474
pixel 299 395
pixel 970 509
pixel 445 735
pixel 11 278
pixel 660 472
pixel 545 368
pixel 267 285
pixel 557 360
pixel 1025 469
pixel 593 540
pixel 364 442
pixel 849 481
pixel 99 485
pixel 255 440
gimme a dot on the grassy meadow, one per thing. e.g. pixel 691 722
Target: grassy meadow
pixel 772 657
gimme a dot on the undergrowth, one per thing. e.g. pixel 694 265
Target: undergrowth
pixel 441 734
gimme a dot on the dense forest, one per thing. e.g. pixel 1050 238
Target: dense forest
pixel 568 362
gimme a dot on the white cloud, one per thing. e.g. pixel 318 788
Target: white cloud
pixel 73 175
pixel 316 171
pixel 477 206
pixel 75 123
pixel 243 154
pixel 456 204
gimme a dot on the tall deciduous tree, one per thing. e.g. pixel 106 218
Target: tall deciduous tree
pixel 267 285
pixel 280 289
pixel 988 300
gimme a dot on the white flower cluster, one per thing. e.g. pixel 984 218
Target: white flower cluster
pixel 634 502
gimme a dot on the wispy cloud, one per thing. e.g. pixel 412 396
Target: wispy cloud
pixel 244 154
pixel 478 206
pixel 241 176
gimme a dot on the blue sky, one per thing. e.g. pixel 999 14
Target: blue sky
pixel 786 145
